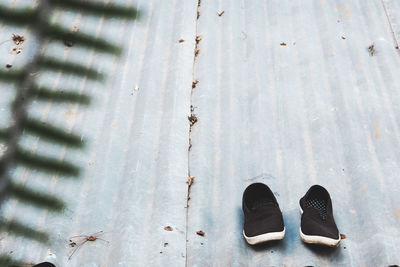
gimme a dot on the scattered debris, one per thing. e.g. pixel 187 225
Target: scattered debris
pixel 190 180
pixel 221 13
pixel 136 88
pixel 8 66
pixel 192 119
pixel 50 255
pixel 165 244
pixel 371 49
pixel 190 144
pixel 18 39
pixel 68 43
pixel 396 47
pixel 344 38
pixel 196 52
pixel 198 39
pixel 181 40
pixel 283 44
pixel 168 228
pixel 191 108
pixel 194 83
pixel 342 236
pixel 198 3
pixel 200 232
pixel 198 14
pixel 17 50
pixel 86 238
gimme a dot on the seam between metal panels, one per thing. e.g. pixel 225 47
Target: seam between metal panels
pixel 192 120
pixel 390 25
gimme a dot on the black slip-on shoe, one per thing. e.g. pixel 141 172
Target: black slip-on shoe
pixel 263 219
pixel 317 223
pixel 44 264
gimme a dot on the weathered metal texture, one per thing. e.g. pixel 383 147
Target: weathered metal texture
pixel 288 95
pixel 136 158
pixel 391 8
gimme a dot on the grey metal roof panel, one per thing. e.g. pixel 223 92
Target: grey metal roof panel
pixel 319 109
pixel 136 160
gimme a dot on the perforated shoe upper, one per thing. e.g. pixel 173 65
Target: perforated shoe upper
pixel 317 218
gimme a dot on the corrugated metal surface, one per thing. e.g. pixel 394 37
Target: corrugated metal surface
pixel 319 109
pixel 136 161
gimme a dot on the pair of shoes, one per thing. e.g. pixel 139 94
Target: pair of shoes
pixel 263 220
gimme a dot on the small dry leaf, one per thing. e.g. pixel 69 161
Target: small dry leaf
pixel 196 52
pixel 220 13
pixel 342 236
pixel 68 43
pixel 343 37
pixel 136 88
pixel 371 50
pixel 198 14
pixel 283 44
pixel 194 83
pixel 192 119
pixel 198 39
pixel 168 228
pixel 190 180
pixel 200 232
pixel 181 40
pixel 18 39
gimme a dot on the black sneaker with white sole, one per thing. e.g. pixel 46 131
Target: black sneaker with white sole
pixel 317 223
pixel 263 219
pixel 44 264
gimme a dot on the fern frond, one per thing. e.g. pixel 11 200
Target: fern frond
pixel 21 17
pixel 53 64
pixel 29 196
pixel 58 32
pixel 3 134
pixel 52 133
pixel 46 164
pixel 6 260
pixel 11 76
pixel 46 94
pixel 17 228
pixel 100 9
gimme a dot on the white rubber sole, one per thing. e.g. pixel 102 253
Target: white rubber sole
pixel 318 240
pixel 254 240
